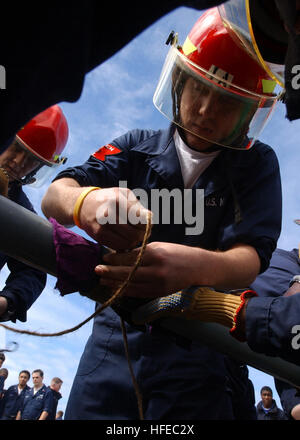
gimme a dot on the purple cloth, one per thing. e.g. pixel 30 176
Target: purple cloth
pixel 76 259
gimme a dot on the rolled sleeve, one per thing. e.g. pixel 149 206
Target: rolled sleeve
pixel 48 402
pixel 23 286
pixel 272 325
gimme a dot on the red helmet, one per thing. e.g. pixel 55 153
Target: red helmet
pixel 241 90
pixel 210 46
pixel 46 135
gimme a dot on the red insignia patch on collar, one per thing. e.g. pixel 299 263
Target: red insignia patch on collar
pixel 106 150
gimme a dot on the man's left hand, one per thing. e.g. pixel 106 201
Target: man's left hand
pixel 165 268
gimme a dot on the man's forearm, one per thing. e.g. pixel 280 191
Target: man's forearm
pixel 18 416
pixel 59 200
pixel 44 415
pixel 232 269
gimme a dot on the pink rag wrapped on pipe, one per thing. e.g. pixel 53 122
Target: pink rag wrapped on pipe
pixel 76 259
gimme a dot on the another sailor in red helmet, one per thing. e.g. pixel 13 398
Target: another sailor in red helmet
pixel 32 156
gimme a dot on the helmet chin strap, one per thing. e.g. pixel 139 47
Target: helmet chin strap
pixel 27 180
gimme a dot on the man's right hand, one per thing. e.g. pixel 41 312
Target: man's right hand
pixel 111 216
pixel 114 217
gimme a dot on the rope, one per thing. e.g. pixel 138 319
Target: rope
pixel 134 381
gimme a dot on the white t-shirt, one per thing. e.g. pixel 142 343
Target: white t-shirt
pixel 192 162
pixel 35 390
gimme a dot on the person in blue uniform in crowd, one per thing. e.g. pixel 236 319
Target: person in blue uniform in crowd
pixel 2 359
pixel 59 415
pixel 38 401
pixel 3 377
pixel 55 387
pixel 14 397
pixel 267 408
pixel 32 155
pixel 210 97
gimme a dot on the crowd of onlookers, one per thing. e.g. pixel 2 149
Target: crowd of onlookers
pixel 21 402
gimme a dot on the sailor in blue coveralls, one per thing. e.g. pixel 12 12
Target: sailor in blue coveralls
pixel 55 386
pixel 24 162
pixel 242 221
pixel 14 396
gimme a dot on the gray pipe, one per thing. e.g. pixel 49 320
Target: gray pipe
pixel 26 237
pixel 217 337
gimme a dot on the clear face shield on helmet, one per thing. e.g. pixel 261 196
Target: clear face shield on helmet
pixel 24 165
pixel 208 106
pixel 44 173
pixel 259 28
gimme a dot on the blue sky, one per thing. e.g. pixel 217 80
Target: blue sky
pixel 117 97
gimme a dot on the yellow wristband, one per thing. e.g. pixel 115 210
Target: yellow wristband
pixel 79 202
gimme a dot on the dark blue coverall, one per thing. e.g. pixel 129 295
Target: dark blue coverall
pixel 24 283
pixel 289 396
pixel 34 404
pixel 176 382
pixel 2 381
pixel 12 402
pixel 56 396
pixel 2 393
pixel 275 317
pixel 271 318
